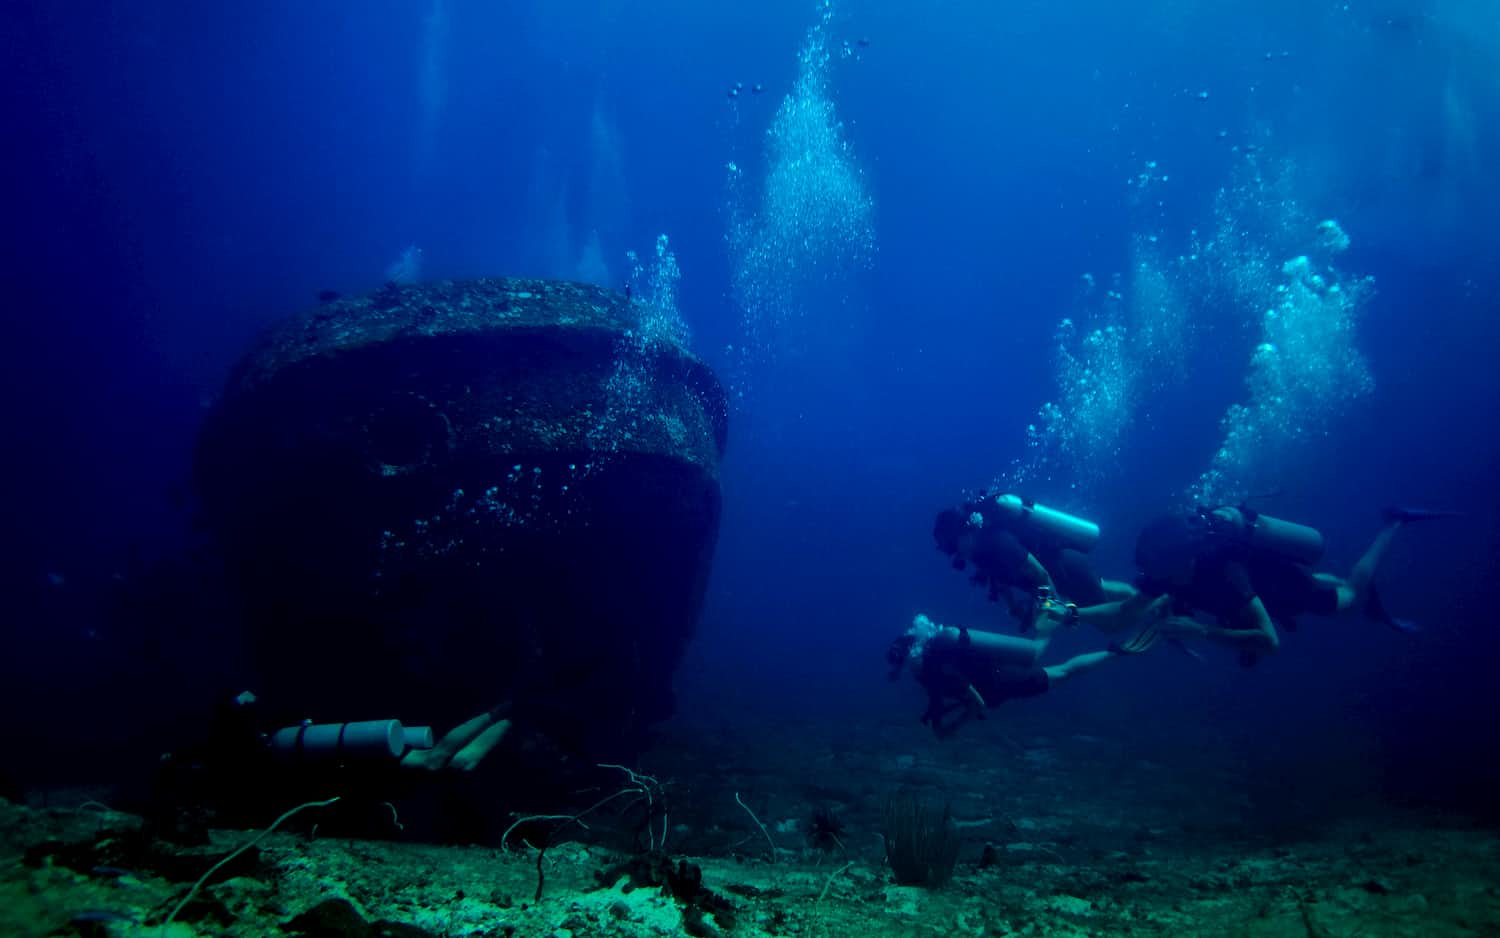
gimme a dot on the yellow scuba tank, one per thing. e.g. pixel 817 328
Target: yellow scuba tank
pixel 1061 528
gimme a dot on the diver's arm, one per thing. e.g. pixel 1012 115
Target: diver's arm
pixel 1037 575
pixel 1250 627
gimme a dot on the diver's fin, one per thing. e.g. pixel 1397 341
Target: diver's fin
pixel 1376 610
pixel 1139 642
pixel 1191 653
pixel 1406 515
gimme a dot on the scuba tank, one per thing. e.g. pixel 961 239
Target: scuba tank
pixel 1287 539
pixel 1061 528
pixel 1284 538
pixel 998 648
pixel 370 739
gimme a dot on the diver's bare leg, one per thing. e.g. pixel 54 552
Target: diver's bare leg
pixel 1058 673
pixel 461 748
pixel 1356 587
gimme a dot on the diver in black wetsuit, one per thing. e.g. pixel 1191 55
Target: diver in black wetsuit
pixel 1020 549
pixel 1252 572
pixel 967 671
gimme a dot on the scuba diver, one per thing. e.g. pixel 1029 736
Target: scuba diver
pixel 1020 549
pixel 1253 572
pixel 967 671
pixel 251 756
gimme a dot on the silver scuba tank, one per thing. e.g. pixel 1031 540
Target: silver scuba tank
pixel 369 739
pixel 1000 649
pixel 1057 526
pixel 1288 539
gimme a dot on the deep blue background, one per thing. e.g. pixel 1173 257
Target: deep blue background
pixel 180 175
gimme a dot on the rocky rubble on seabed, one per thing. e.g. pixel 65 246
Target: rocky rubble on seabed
pixel 1063 834
pixel 1405 876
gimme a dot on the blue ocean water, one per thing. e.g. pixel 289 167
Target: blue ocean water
pixel 1095 250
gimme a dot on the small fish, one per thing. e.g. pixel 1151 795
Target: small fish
pixel 328 296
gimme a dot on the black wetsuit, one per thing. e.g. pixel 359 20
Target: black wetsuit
pixel 1011 682
pixel 1227 575
pixel 949 673
pixel 1001 555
